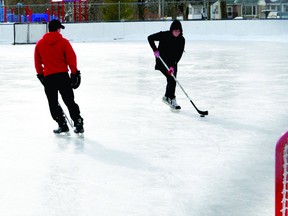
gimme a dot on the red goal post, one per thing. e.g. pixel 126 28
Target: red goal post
pixel 281 176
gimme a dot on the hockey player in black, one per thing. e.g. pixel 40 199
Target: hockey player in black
pixel 170 48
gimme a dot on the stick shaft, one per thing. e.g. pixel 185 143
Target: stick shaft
pixel 199 111
pixel 66 117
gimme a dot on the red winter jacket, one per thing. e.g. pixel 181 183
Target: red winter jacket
pixel 53 54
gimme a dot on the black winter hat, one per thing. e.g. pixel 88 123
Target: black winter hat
pixel 54 25
pixel 176 25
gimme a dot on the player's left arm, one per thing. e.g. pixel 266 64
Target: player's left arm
pixel 71 57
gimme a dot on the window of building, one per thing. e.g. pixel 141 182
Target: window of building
pixel 250 10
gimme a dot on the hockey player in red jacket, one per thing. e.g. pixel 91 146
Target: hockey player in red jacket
pixel 53 55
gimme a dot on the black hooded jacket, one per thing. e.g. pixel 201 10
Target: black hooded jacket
pixel 171 48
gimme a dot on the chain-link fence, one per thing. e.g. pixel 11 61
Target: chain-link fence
pixel 144 10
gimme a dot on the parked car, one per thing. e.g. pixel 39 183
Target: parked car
pixel 277 15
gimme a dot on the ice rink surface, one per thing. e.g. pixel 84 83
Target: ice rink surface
pixel 137 157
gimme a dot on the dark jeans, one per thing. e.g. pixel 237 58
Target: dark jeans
pixel 171 84
pixel 60 82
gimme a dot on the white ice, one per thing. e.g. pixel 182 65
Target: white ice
pixel 137 157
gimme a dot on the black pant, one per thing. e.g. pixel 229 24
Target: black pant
pixel 61 83
pixel 171 84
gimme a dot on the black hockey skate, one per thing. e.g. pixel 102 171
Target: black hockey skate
pixel 79 126
pixel 63 128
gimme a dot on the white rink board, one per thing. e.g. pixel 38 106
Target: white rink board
pixel 265 30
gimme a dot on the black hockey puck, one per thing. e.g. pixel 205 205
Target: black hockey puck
pixel 202 115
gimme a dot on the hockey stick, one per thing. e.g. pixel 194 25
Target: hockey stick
pixel 202 113
pixel 70 121
pixel 66 117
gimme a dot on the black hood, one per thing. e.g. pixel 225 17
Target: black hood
pixel 176 25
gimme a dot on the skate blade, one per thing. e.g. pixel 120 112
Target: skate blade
pixel 175 110
pixel 63 134
pixel 80 135
pixel 165 102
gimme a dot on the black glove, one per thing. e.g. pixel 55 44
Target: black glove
pixel 75 79
pixel 41 78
